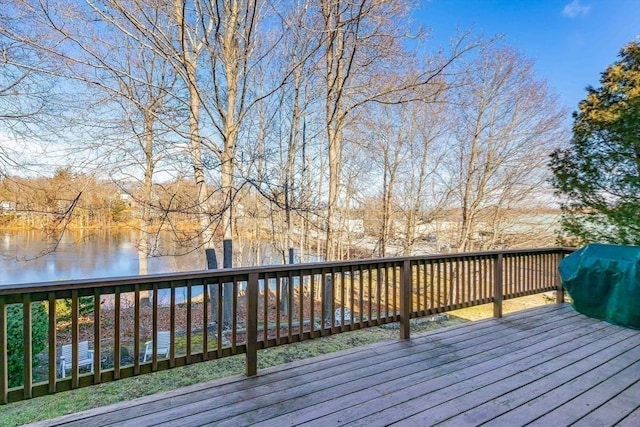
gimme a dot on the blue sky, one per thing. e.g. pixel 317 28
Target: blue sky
pixel 570 41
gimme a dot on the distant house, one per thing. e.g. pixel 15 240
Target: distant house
pixel 7 206
pixel 354 225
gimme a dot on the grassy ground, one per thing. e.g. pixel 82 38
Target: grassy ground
pixel 52 406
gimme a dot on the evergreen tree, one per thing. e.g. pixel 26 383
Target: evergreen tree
pixel 598 175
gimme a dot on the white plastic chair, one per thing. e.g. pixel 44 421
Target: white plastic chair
pixel 164 342
pixel 85 357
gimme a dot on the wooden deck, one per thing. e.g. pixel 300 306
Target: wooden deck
pixel 545 366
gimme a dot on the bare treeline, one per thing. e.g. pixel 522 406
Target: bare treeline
pixel 323 125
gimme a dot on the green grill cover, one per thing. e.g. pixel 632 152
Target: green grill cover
pixel 604 282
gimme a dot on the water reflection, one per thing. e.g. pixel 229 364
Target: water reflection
pixel 28 256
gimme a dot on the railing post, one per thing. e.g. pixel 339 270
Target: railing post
pixel 75 335
pixel 405 300
pixel 559 288
pixel 252 325
pixel 497 288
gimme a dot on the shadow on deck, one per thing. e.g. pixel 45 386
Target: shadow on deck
pixel 544 366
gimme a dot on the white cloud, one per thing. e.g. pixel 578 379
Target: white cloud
pixel 574 9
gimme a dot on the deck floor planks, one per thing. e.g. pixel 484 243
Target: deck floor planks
pixel 596 396
pixel 346 381
pixel 615 410
pixel 496 358
pixel 631 420
pixel 276 375
pixel 341 375
pixel 430 378
pixel 484 381
pixel 560 395
pixel 199 392
pixel 525 404
pixel 362 391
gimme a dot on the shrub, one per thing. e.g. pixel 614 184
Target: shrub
pixel 15 339
pixel 63 307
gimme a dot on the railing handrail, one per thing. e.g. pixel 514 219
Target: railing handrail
pixel 98 282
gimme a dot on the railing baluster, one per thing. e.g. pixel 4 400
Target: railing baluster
pixel 277 279
pixel 75 337
pixel 234 316
pixel 465 291
pixel 265 308
pixel 300 306
pixel 116 334
pixel 323 299
pixel 379 292
pixel 172 325
pixel 341 274
pixel 426 291
pixel 136 331
pixel 448 284
pixel 189 331
pixel 521 276
pixel 154 329
pixel 219 311
pixel 333 300
pixel 395 279
pixel 529 283
pixel 205 320
pixel 290 308
pixel 486 289
pixel 418 288
pixel 430 286
pixel 312 301
pixel 53 371
pixel 361 294
pixel 97 348
pixel 459 284
pixel 369 294
pixel 388 289
pixel 473 272
pixel 438 296
pixel 539 281
pixel 352 278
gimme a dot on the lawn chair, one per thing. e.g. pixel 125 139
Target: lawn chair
pixel 85 357
pixel 164 342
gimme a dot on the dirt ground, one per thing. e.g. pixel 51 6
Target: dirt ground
pixel 486 311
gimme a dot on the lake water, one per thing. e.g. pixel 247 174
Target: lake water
pixel 28 256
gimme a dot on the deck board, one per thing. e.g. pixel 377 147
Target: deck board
pixel 545 366
pixel 523 404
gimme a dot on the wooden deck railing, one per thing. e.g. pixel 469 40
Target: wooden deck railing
pixel 211 314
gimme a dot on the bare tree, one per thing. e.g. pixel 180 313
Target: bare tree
pixel 506 123
pixel 421 195
pixel 362 43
